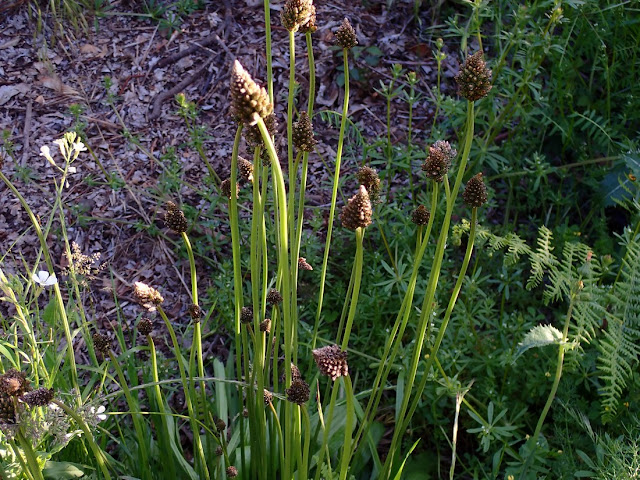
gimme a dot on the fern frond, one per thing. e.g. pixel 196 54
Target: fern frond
pixel 542 259
pixel 619 345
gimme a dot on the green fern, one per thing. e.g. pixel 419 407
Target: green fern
pixel 619 344
pixel 617 306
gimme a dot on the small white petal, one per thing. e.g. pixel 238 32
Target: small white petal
pixel 44 279
pixel 62 144
pixel 46 153
pixel 72 170
pixel 79 147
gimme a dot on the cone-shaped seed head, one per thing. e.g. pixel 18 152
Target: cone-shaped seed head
pixel 265 325
pixel 14 383
pixel 438 161
pixel 303 265
pixel 474 79
pixel 232 471
pixel 268 397
pixel 146 295
pixel 195 312
pixel 101 343
pixel 357 212
pixel 420 216
pixel 368 177
pixel 225 188
pixel 174 219
pixel 245 169
pixel 246 314
pixel 475 193
pixel 273 297
pixel 346 35
pixel 303 134
pixel 296 13
pixel 298 392
pixel 252 132
pixel 38 398
pixel 248 100
pixel 311 26
pixel 331 361
pixel 145 326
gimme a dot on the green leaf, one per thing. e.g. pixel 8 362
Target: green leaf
pixel 61 470
pixel 539 336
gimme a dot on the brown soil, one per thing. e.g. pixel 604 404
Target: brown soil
pixel 42 74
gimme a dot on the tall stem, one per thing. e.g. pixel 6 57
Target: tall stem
pixel 336 180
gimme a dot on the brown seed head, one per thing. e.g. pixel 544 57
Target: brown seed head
pixel 357 212
pixel 268 397
pixel 303 134
pixel 246 314
pixel 195 312
pixel 220 425
pixel 346 35
pixel 147 296
pixel 248 100
pixel 303 265
pixel 219 452
pixel 475 193
pixel 225 188
pixel 438 161
pixel 331 361
pixel 420 216
pixel 174 218
pixel 311 26
pixel 368 177
pixel 232 471
pixel 265 325
pixel 298 392
pixel 38 398
pixel 474 79
pixel 273 297
pixel 8 414
pixel 296 13
pixel 102 344
pixel 14 383
pixel 245 169
pixel 252 132
pixel 145 326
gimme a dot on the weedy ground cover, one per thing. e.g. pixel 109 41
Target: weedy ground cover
pixel 441 316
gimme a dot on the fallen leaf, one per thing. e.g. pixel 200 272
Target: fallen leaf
pixel 7 92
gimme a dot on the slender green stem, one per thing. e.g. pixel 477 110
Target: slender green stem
pixel 32 461
pixel 199 452
pixel 394 338
pixel 288 303
pixel 353 307
pixel 336 180
pixel 134 407
pixel 56 288
pixel 348 426
pixel 533 441
pixel 427 305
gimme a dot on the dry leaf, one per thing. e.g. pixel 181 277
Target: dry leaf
pixel 7 92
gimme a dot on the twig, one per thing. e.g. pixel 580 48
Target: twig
pixel 26 133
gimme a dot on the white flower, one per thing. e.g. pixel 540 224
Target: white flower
pixel 46 153
pixel 77 148
pixel 98 413
pixel 72 170
pixel 62 143
pixel 44 279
